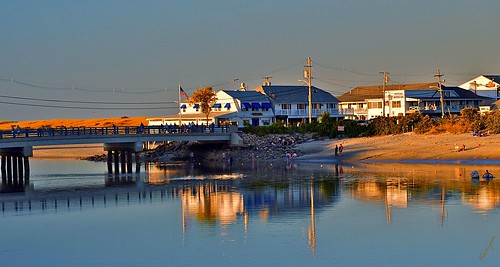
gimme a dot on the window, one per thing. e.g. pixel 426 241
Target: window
pixel 301 106
pixel 286 106
pixel 374 105
pixel 396 104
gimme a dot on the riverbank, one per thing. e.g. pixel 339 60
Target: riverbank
pixel 408 147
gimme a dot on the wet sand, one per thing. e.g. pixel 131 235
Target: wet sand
pixel 68 151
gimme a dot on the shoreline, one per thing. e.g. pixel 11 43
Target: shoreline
pixel 405 148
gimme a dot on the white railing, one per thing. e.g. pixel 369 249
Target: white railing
pixel 304 112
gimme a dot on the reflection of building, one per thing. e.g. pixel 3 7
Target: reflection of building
pixel 485 198
pixel 210 204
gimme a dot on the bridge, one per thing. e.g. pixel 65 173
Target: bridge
pixel 122 143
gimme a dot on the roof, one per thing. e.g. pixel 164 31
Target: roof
pixel 296 94
pixel 449 93
pixel 359 94
pixel 248 96
pixel 495 78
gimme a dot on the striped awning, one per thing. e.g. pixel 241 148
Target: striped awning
pixel 246 105
pixel 266 105
pixel 196 106
pixel 256 105
pixel 217 105
pixel 183 106
pixel 227 105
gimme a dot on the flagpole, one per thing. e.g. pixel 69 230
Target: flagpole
pixel 180 111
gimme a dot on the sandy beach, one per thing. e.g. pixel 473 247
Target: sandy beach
pixel 68 151
pixel 407 147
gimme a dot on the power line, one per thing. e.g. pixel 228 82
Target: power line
pixel 79 107
pixel 85 102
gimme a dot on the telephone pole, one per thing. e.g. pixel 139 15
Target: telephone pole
pixel 308 76
pixel 439 75
pixel 384 83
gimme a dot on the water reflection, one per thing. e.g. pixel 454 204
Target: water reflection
pixel 216 196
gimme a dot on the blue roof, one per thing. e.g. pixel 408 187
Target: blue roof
pixel 247 96
pixel 297 94
pixel 495 78
pixel 449 93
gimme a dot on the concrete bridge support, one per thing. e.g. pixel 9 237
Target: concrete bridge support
pixel 120 155
pixel 15 165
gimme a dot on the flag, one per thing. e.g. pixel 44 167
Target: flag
pixel 183 93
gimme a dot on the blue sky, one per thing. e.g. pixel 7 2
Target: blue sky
pixel 128 53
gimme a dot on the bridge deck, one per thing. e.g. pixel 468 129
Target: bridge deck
pixel 85 135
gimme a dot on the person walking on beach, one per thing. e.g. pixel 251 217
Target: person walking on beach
pixel 341 148
pixel 336 150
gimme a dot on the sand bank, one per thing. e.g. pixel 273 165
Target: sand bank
pixel 407 147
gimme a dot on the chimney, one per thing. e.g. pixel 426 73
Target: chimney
pixel 266 81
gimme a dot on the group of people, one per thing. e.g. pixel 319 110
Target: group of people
pixel 338 150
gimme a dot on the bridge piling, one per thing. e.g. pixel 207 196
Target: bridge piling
pixel 4 171
pixel 110 162
pixel 15 165
pixel 121 156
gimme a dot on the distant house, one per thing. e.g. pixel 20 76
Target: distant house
pixel 400 100
pixel 356 103
pixel 290 102
pixel 484 85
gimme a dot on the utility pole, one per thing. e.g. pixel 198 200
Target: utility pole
pixel 439 75
pixel 308 76
pixel 384 83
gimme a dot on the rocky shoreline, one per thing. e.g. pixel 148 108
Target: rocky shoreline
pixel 269 147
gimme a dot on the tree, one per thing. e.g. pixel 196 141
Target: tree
pixel 206 98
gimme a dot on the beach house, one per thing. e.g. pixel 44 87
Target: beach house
pixel 484 85
pixel 233 107
pixel 399 100
pixel 291 104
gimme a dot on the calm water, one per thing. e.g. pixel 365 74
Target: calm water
pixel 73 214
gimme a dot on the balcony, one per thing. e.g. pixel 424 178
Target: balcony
pixel 304 112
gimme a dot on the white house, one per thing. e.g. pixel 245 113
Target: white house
pixel 401 100
pixel 248 108
pixel 238 108
pixel 484 85
pixel 365 102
